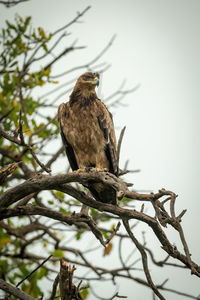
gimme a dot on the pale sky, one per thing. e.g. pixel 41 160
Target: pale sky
pixel 158 47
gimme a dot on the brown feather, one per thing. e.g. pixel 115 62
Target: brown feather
pixel 88 134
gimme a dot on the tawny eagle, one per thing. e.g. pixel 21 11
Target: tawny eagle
pixel 87 131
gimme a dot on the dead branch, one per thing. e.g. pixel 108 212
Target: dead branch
pixel 10 289
pixel 118 296
pixel 58 182
pixel 6 171
pixel 120 143
pixel 113 233
pixel 144 259
pixel 10 3
pixel 68 290
pixel 55 284
pixel 90 63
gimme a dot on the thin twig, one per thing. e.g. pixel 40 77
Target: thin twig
pixel 120 143
pixel 87 65
pixel 113 233
pixel 6 114
pixel 55 284
pixel 34 270
pixel 118 296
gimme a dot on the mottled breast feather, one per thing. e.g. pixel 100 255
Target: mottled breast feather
pixel 88 135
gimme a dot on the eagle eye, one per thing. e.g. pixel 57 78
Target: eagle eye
pixel 95 74
pixel 87 77
pixel 90 76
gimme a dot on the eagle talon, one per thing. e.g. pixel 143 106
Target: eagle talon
pixel 88 169
pixel 98 169
pixel 80 170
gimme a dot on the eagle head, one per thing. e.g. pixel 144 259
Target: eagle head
pixel 89 79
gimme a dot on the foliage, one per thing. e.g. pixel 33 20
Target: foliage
pixel 28 125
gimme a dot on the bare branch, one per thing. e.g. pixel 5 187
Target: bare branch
pixel 68 290
pixel 87 65
pixel 113 233
pixel 55 284
pixel 6 171
pixel 10 3
pixel 10 289
pixel 79 15
pixel 118 296
pixel 120 142
pixel 144 259
pixel 58 182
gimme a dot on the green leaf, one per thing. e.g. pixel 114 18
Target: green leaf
pixel 93 212
pixel 4 241
pixel 3 267
pixel 45 244
pixel 44 46
pixel 23 269
pixel 105 234
pixel 57 253
pixel 4 238
pixel 60 195
pixel 27 21
pixel 64 211
pixel 41 273
pixel 42 32
pixel 11 25
pixel 50 202
pixel 84 293
pixel 32 289
pixel 78 235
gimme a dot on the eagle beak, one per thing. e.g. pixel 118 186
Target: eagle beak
pixel 95 81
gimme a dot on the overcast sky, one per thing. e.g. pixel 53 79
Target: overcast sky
pixel 158 47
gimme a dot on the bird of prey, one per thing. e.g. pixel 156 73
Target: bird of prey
pixel 87 132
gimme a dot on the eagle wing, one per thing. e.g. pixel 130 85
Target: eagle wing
pixel 62 118
pixel 105 121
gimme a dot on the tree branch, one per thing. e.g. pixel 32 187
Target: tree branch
pixel 144 260
pixel 10 289
pixel 58 182
pixel 10 3
pixel 68 290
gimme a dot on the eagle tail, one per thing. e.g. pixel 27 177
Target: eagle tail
pixel 102 193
